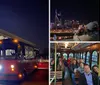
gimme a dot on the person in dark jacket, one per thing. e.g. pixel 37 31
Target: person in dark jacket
pixel 88 78
pixel 73 68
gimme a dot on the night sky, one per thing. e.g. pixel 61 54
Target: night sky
pixel 76 9
pixel 27 19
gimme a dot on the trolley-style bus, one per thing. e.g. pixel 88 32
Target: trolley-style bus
pixel 17 59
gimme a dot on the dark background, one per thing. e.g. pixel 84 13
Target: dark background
pixel 27 19
pixel 76 9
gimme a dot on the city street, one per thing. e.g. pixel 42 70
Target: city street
pixel 38 77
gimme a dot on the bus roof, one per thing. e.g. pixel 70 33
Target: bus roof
pixel 10 35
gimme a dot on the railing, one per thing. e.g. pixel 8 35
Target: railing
pixel 57 77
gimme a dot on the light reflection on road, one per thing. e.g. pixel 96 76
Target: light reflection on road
pixel 39 77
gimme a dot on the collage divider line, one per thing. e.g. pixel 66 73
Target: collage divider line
pixel 49 36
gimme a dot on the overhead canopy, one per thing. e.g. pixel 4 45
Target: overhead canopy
pixel 4 35
pixel 75 46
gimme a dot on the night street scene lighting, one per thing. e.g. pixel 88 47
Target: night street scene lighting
pixel 74 20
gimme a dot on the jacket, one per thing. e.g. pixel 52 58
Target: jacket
pixel 82 79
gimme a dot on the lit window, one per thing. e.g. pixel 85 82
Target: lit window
pixel 84 56
pixel 58 54
pixel 10 52
pixel 87 58
pixel 94 58
pixel 71 55
pixel 65 56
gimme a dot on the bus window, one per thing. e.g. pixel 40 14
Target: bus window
pixel 70 55
pixel 51 54
pixel 10 52
pixel 94 58
pixel 81 56
pixel 65 55
pixel 78 56
pixel 84 56
pixel 75 55
pixel 1 53
pixel 58 54
pixel 87 58
pixel 29 52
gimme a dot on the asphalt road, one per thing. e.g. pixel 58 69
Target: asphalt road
pixel 38 77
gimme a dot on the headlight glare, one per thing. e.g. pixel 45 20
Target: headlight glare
pixel 12 66
pixel 1 67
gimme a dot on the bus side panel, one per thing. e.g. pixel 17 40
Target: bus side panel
pixel 9 70
pixel 28 65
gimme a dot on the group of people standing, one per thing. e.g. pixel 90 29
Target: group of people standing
pixel 77 70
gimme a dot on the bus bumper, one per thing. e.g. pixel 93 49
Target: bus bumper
pixel 11 77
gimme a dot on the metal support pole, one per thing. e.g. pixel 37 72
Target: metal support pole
pixel 55 62
pixel 99 62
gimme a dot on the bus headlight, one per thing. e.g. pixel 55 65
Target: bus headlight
pixel 12 67
pixel 1 67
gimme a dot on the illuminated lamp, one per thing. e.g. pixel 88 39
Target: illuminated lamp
pixel 20 75
pixel 0 67
pixel 0 42
pixel 59 38
pixel 19 46
pixel 66 44
pixel 12 66
pixel 35 66
pixel 12 69
pixel 15 41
